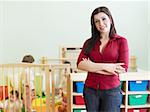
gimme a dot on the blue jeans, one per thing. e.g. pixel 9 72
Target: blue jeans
pixel 102 100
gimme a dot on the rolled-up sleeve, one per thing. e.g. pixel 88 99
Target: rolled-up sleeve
pixel 124 53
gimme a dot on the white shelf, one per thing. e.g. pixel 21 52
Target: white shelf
pixel 78 76
pixel 132 76
pixel 122 106
pixel 78 106
pixel 83 106
pixel 138 92
pixel 76 94
pixel 139 106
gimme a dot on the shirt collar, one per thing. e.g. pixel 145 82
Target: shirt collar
pixel 115 37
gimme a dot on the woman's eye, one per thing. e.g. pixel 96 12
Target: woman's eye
pixel 96 21
pixel 103 19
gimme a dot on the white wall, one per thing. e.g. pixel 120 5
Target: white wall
pixel 148 35
pixel 39 27
pixel 1 27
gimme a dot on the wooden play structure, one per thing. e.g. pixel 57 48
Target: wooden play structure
pixel 68 54
pixel 60 82
pixel 34 86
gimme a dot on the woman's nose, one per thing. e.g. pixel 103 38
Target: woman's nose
pixel 101 23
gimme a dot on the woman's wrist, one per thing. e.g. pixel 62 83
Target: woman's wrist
pixel 104 67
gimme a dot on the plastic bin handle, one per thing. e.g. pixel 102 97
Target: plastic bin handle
pixel 138 82
pixel 138 96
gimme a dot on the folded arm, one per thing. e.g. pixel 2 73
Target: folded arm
pixel 102 68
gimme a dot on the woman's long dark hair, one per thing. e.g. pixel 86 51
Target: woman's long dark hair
pixel 95 33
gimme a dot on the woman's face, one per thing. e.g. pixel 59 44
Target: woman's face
pixel 102 22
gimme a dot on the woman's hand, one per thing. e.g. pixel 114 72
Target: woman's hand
pixel 87 60
pixel 115 68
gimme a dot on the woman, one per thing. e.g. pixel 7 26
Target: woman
pixel 104 56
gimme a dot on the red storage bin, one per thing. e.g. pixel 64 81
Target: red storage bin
pixel 3 90
pixel 138 110
pixel 79 100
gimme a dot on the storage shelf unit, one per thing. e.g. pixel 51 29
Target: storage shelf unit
pixel 125 77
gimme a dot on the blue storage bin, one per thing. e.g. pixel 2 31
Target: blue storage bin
pixel 80 86
pixel 138 85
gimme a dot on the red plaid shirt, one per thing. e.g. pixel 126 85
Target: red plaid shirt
pixel 116 51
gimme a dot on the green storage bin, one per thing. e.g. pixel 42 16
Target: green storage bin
pixel 76 110
pixel 79 110
pixel 138 99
